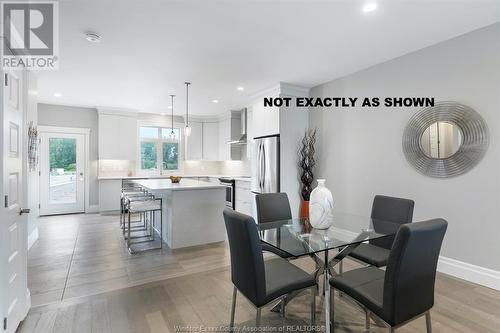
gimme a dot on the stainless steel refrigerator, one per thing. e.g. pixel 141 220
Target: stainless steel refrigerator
pixel 266 169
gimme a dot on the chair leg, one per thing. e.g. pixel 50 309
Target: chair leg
pixel 428 322
pixel 392 330
pixel 282 307
pixel 313 306
pixel 233 308
pixel 257 318
pixel 332 310
pixel 367 319
pixel 341 271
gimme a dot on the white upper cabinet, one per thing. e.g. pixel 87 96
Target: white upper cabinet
pixel 210 141
pixel 265 120
pixel 203 143
pixel 224 138
pixel 117 137
pixel 194 142
pixel 229 130
pixel 250 135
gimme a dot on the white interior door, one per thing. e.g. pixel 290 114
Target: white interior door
pixel 14 295
pixel 62 171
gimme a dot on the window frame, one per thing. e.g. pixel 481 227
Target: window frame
pixel 158 171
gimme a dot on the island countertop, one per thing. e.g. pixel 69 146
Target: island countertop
pixel 185 184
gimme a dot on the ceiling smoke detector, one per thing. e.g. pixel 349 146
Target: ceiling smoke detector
pixel 93 37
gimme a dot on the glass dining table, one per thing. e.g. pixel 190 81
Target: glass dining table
pixel 327 247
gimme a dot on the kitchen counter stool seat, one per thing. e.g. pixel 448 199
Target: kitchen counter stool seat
pixel 148 207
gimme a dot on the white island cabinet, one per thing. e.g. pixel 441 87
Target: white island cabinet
pixel 192 211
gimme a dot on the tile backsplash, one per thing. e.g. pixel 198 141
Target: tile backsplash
pixel 123 168
pixel 200 167
pixel 235 168
pixel 116 168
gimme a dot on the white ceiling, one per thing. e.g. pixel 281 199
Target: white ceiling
pixel 149 48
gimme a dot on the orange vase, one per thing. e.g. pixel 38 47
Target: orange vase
pixel 304 210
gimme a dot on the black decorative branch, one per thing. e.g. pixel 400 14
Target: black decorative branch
pixel 307 163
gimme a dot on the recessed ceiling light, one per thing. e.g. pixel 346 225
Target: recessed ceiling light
pixel 215 101
pixel 369 7
pixel 33 92
pixel 93 37
pixel 57 94
pixel 170 106
pixel 240 88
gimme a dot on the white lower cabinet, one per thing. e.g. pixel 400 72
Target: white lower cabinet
pixel 109 195
pixel 243 197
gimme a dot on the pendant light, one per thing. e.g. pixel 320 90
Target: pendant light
pixel 172 134
pixel 187 129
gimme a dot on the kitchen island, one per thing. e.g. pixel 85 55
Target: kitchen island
pixel 192 211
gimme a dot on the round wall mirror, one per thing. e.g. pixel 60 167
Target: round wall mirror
pixel 441 139
pixel 445 140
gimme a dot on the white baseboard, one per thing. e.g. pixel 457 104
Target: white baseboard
pixel 32 238
pixel 472 273
pixel 92 209
pixel 459 269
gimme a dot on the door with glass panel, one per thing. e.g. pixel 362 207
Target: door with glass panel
pixel 62 170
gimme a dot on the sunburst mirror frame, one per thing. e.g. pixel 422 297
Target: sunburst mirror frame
pixel 475 140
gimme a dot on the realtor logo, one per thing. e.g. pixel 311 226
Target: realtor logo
pixel 30 35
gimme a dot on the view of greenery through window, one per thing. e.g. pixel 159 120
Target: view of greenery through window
pixel 170 156
pixel 62 154
pixel 148 155
pixel 157 149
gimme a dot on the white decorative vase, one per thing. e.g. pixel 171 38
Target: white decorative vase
pixel 321 206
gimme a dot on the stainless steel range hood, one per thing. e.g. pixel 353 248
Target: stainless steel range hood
pixel 243 138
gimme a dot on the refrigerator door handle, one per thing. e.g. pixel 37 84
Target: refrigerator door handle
pixel 264 167
pixel 259 166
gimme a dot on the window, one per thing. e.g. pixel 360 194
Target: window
pixel 148 155
pixel 158 149
pixel 171 156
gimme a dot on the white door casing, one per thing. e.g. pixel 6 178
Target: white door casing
pixel 63 194
pixel 14 294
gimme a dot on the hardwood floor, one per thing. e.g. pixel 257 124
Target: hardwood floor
pixel 201 297
pixel 79 255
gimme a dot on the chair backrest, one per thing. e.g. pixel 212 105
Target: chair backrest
pixel 272 207
pixel 397 210
pixel 411 270
pixel 247 262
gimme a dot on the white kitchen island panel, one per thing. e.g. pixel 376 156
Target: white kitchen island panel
pixel 192 211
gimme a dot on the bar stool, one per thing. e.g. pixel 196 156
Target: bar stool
pixel 129 190
pixel 140 223
pixel 147 207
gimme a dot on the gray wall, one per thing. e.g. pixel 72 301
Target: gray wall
pixel 359 150
pixel 69 116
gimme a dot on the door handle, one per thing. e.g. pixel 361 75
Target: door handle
pixel 264 167
pixel 24 211
pixel 259 166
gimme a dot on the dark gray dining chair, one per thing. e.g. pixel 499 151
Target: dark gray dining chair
pixel 261 282
pixel 387 209
pixel 272 207
pixel 405 290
